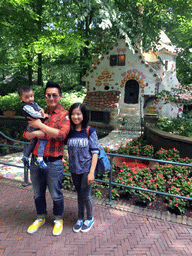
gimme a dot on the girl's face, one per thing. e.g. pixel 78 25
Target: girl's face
pixel 77 116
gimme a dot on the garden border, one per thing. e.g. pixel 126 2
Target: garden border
pixel 161 139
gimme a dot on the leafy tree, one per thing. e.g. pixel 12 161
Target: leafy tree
pixel 62 36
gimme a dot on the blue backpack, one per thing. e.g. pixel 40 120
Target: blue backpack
pixel 103 163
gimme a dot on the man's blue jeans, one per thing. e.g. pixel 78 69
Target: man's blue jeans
pixel 50 177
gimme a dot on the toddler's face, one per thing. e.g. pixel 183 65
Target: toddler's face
pixel 27 97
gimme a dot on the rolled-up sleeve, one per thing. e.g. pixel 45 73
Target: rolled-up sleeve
pixel 65 128
pixel 61 123
pixel 94 142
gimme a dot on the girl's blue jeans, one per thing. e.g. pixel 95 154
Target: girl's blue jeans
pixel 50 177
pixel 84 195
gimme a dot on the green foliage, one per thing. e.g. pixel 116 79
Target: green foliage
pixel 71 97
pixel 169 155
pixel 67 180
pixel 138 146
pixel 179 126
pixel 11 100
pixel 67 33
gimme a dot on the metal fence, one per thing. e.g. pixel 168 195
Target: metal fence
pixel 23 146
pixel 110 182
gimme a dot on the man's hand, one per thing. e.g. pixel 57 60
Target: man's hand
pixel 35 134
pixel 35 123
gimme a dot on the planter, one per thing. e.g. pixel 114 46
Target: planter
pixel 9 113
pixel 150 118
pixel 161 139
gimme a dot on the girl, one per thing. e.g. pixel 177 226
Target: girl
pixel 83 150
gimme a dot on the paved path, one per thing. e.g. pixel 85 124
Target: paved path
pixel 115 232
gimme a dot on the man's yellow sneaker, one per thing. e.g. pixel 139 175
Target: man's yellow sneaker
pixel 36 224
pixel 58 227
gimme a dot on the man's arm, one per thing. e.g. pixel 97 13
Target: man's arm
pixel 35 134
pixel 51 132
pixel 36 123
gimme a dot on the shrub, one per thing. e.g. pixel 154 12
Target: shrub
pixel 180 126
pixel 11 100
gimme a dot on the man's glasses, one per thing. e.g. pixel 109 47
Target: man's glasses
pixel 48 96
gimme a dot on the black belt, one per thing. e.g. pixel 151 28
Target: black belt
pixel 49 158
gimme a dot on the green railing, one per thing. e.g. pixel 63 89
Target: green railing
pixel 110 182
pixel 23 146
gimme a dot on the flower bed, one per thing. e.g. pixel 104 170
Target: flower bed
pixel 172 179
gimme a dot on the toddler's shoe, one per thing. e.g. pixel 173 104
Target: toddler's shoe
pixel 87 225
pixel 25 161
pixel 41 164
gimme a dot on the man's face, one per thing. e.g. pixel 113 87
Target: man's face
pixel 52 97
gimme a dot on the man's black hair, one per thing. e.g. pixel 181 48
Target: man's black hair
pixel 51 84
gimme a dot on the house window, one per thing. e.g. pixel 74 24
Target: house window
pixel 117 60
pixel 121 60
pixel 99 116
pixel 113 60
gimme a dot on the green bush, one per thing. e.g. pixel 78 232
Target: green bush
pixel 11 100
pixel 180 126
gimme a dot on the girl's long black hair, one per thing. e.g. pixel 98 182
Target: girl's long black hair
pixel 84 112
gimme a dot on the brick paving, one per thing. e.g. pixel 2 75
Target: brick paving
pixel 119 230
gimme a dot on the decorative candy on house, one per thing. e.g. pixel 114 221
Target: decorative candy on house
pixel 123 84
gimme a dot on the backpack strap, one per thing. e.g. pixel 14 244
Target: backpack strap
pixel 87 131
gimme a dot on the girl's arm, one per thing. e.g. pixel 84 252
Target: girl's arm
pixel 91 175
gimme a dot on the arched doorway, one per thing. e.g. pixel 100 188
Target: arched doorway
pixel 131 92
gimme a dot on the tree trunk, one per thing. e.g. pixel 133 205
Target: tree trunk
pixel 40 77
pixel 40 4
pixel 30 73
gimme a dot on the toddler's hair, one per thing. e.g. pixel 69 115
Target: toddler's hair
pixel 23 88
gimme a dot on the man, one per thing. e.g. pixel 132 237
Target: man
pixel 56 128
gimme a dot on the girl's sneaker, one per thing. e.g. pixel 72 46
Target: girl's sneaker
pixel 87 225
pixel 78 226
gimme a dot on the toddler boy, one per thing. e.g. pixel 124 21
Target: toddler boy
pixel 32 109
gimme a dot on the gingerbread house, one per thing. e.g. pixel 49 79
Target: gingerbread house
pixel 123 84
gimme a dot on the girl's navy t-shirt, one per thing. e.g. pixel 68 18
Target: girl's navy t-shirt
pixel 80 149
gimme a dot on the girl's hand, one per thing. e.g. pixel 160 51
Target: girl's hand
pixel 90 178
